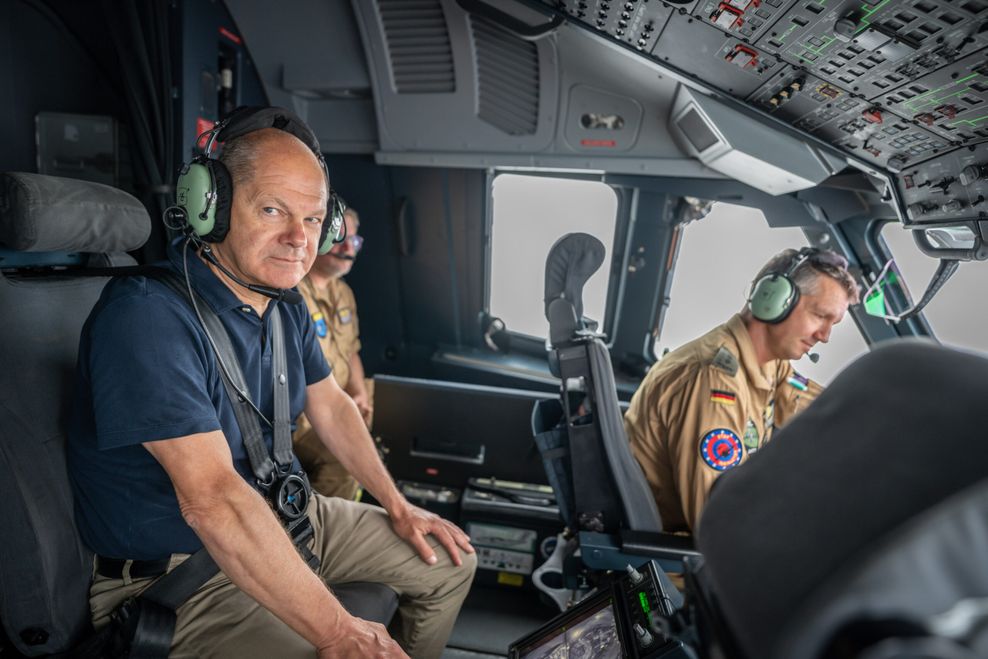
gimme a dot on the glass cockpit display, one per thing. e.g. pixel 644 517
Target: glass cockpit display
pixel 594 636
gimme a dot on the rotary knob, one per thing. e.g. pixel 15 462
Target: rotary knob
pixel 918 209
pixel 972 174
pixel 644 637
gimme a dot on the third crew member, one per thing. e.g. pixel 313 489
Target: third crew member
pixel 333 309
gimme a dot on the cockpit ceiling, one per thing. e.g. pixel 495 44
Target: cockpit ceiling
pixel 899 84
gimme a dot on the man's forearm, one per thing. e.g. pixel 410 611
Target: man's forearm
pixel 249 545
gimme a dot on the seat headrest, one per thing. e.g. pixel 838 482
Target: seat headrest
pixel 572 260
pixel 53 214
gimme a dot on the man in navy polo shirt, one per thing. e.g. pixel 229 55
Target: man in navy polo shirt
pixel 159 468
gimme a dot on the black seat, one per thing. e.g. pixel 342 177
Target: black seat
pixel 44 221
pixel 870 512
pixel 46 224
pixel 602 492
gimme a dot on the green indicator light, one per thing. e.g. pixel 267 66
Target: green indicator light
pixel 875 303
pixel 644 600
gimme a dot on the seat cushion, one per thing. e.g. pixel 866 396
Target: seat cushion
pixel 369 601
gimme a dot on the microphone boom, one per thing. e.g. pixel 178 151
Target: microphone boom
pixel 281 294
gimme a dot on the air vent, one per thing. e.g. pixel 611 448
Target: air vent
pixel 507 79
pixel 418 46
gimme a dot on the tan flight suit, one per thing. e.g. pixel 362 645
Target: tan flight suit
pixel 703 409
pixel 334 313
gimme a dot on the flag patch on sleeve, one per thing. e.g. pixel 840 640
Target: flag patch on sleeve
pixel 320 322
pixel 722 397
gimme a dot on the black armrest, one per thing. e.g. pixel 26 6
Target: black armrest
pixel 658 545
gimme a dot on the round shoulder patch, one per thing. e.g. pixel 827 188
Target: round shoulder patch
pixel 721 449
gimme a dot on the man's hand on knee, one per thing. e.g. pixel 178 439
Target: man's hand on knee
pixel 413 524
pixel 360 639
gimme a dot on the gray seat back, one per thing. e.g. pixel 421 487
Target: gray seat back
pixel 928 575
pixel 838 499
pixel 44 568
pixel 609 491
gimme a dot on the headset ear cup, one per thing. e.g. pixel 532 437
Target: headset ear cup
pixel 791 303
pixel 773 298
pixel 223 202
pixel 325 240
pixel 192 195
pixel 333 228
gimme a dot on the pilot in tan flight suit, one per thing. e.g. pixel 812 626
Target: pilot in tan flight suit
pixel 707 406
pixel 334 313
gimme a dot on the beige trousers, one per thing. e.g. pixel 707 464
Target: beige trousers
pixel 355 543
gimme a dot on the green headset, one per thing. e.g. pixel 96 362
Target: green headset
pixel 774 295
pixel 204 191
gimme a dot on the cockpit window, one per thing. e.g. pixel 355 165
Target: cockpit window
pixel 718 257
pixel 530 213
pixel 959 312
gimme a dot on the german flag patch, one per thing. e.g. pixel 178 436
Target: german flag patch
pixel 722 397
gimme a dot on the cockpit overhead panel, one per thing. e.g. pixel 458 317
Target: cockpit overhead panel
pixel 899 84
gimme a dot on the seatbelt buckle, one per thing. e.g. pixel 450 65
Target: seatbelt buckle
pixel 141 628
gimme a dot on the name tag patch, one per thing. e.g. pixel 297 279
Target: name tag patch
pixel 798 381
pixel 721 449
pixel 750 437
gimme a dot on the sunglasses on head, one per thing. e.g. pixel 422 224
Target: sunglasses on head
pixel 829 258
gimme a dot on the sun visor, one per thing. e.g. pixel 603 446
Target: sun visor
pixel 747 150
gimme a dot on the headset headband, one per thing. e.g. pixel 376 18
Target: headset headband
pixel 247 119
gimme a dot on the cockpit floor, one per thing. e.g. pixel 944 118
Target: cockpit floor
pixel 493 618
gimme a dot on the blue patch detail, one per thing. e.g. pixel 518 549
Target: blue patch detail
pixel 320 322
pixel 721 449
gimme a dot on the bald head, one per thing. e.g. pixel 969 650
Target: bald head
pixel 246 155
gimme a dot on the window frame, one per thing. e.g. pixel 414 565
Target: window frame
pixel 533 345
